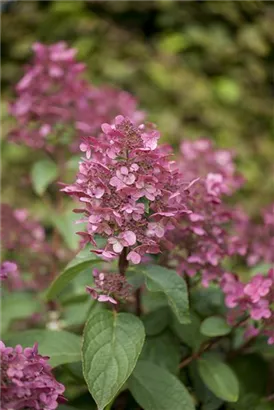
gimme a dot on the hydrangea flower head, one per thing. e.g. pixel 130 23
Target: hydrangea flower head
pixel 27 380
pixel 55 105
pixel 253 300
pixel 202 239
pixel 129 188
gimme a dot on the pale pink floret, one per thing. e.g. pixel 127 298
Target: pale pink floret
pixel 257 287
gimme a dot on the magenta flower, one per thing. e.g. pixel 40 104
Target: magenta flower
pixel 7 269
pixel 27 380
pixel 131 192
pixel 258 287
pixel 253 300
pixel 56 106
pixel 256 237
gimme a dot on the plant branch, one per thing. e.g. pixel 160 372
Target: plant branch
pixel 138 302
pixel 206 346
pixel 123 262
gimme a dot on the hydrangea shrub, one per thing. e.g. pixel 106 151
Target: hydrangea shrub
pixel 164 296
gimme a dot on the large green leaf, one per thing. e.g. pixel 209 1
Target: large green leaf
pixel 159 279
pixel 18 305
pixel 218 377
pixel 61 346
pixel 189 333
pixel 111 346
pixel 42 174
pixel 154 388
pixel 156 321
pixel 215 326
pixel 83 260
pixel 163 350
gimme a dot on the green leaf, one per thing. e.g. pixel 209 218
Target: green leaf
pixel 163 350
pixel 159 279
pixel 154 388
pixel 83 260
pixel 202 393
pixel 61 346
pixel 18 306
pixel 189 333
pixel 208 301
pixel 215 326
pixel 66 226
pixel 261 346
pixel 76 314
pixel 111 346
pixel 42 174
pixel 252 373
pixel 218 377
pixel 156 321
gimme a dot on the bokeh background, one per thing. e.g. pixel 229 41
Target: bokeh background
pixel 199 69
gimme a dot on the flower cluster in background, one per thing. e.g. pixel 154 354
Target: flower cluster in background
pixel 257 236
pixel 253 299
pixel 55 105
pixel 27 380
pixel 24 238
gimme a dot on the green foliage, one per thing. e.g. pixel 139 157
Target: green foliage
pixel 66 226
pixel 159 279
pixel 61 346
pixel 154 388
pixel 189 333
pixel 111 346
pixel 82 260
pixel 215 326
pixel 42 174
pixel 218 377
pixel 163 350
pixel 197 70
pixel 17 306
pixel 156 321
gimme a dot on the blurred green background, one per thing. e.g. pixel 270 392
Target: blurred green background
pixel 199 69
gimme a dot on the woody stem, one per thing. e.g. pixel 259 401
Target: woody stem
pixel 123 263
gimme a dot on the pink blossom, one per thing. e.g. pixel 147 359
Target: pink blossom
pixel 215 184
pixel 134 257
pixel 257 287
pixel 135 184
pixel 55 106
pixel 253 300
pixel 27 380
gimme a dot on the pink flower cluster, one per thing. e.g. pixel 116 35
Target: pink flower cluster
pixel 10 273
pixel 253 299
pixel 108 286
pixel 130 190
pixel 55 105
pixel 23 234
pixel 201 158
pixel 256 237
pixel 7 268
pixel 19 231
pixel 27 380
pixel 202 239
